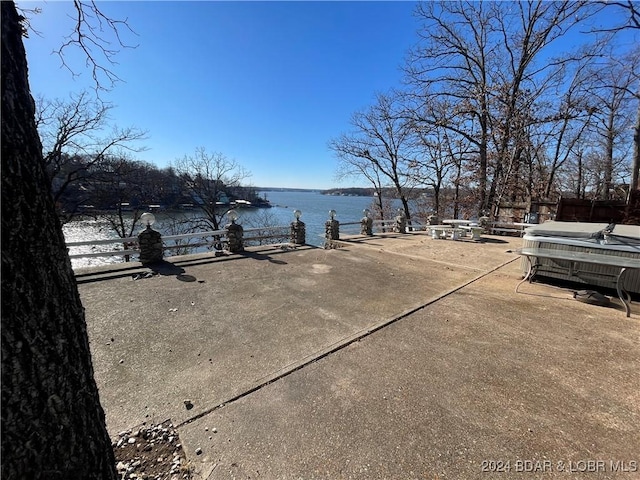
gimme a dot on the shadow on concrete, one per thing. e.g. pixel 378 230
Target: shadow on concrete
pixel 262 256
pixel 137 272
pixel 186 278
pixel 176 267
pixel 166 268
pixel 371 240
pixel 491 240
pixel 169 269
pixel 255 253
pixel 119 272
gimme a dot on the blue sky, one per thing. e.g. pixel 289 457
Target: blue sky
pixel 265 83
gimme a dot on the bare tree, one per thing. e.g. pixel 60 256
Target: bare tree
pixel 555 128
pixel 523 79
pixel 121 191
pixel 209 179
pixel 452 63
pixel 435 158
pixel 487 60
pixel 378 147
pixel 76 138
pixel 630 7
pixel 351 166
pixel 614 92
pixel 95 35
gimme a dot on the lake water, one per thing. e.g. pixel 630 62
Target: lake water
pixel 314 207
pixel 315 210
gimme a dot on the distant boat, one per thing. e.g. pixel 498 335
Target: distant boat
pixel 243 204
pixel 256 203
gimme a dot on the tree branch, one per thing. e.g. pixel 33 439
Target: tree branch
pixel 90 35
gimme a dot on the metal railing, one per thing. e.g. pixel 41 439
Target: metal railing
pixel 388 226
pixel 131 242
pixel 211 238
pixel 352 228
pixel 266 235
pixel 379 226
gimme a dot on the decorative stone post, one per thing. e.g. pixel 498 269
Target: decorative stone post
pixel 485 223
pixel 366 224
pixel 401 223
pixel 150 241
pixel 332 229
pixel 298 230
pixel 235 233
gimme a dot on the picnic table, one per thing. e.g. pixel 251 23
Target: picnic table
pixel 440 231
pixel 455 222
pixel 456 231
pixel 455 228
pixel 465 226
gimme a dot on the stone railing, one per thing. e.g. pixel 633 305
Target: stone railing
pixel 150 245
pixel 367 225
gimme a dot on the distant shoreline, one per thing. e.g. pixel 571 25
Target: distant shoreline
pixel 350 191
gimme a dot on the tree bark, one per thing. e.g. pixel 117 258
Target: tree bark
pixel 635 165
pixel 53 426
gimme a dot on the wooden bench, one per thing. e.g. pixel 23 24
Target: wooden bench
pixel 574 259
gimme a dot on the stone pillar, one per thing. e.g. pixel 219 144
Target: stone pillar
pixel 485 223
pixel 150 243
pixel 401 224
pixel 332 230
pixel 298 233
pixel 235 237
pixel 366 226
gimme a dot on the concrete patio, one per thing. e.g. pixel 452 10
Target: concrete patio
pixel 393 356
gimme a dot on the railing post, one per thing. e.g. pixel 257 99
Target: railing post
pixel 366 224
pixel 298 230
pixel 150 241
pixel 485 223
pixel 331 230
pixel 235 234
pixel 401 223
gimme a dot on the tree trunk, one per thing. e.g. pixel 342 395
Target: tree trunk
pixel 635 165
pixel 483 200
pixel 53 424
pixel 607 186
pixel 578 190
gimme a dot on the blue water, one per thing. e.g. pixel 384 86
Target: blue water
pixel 315 210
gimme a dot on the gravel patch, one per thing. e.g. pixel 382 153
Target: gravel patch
pixel 151 452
